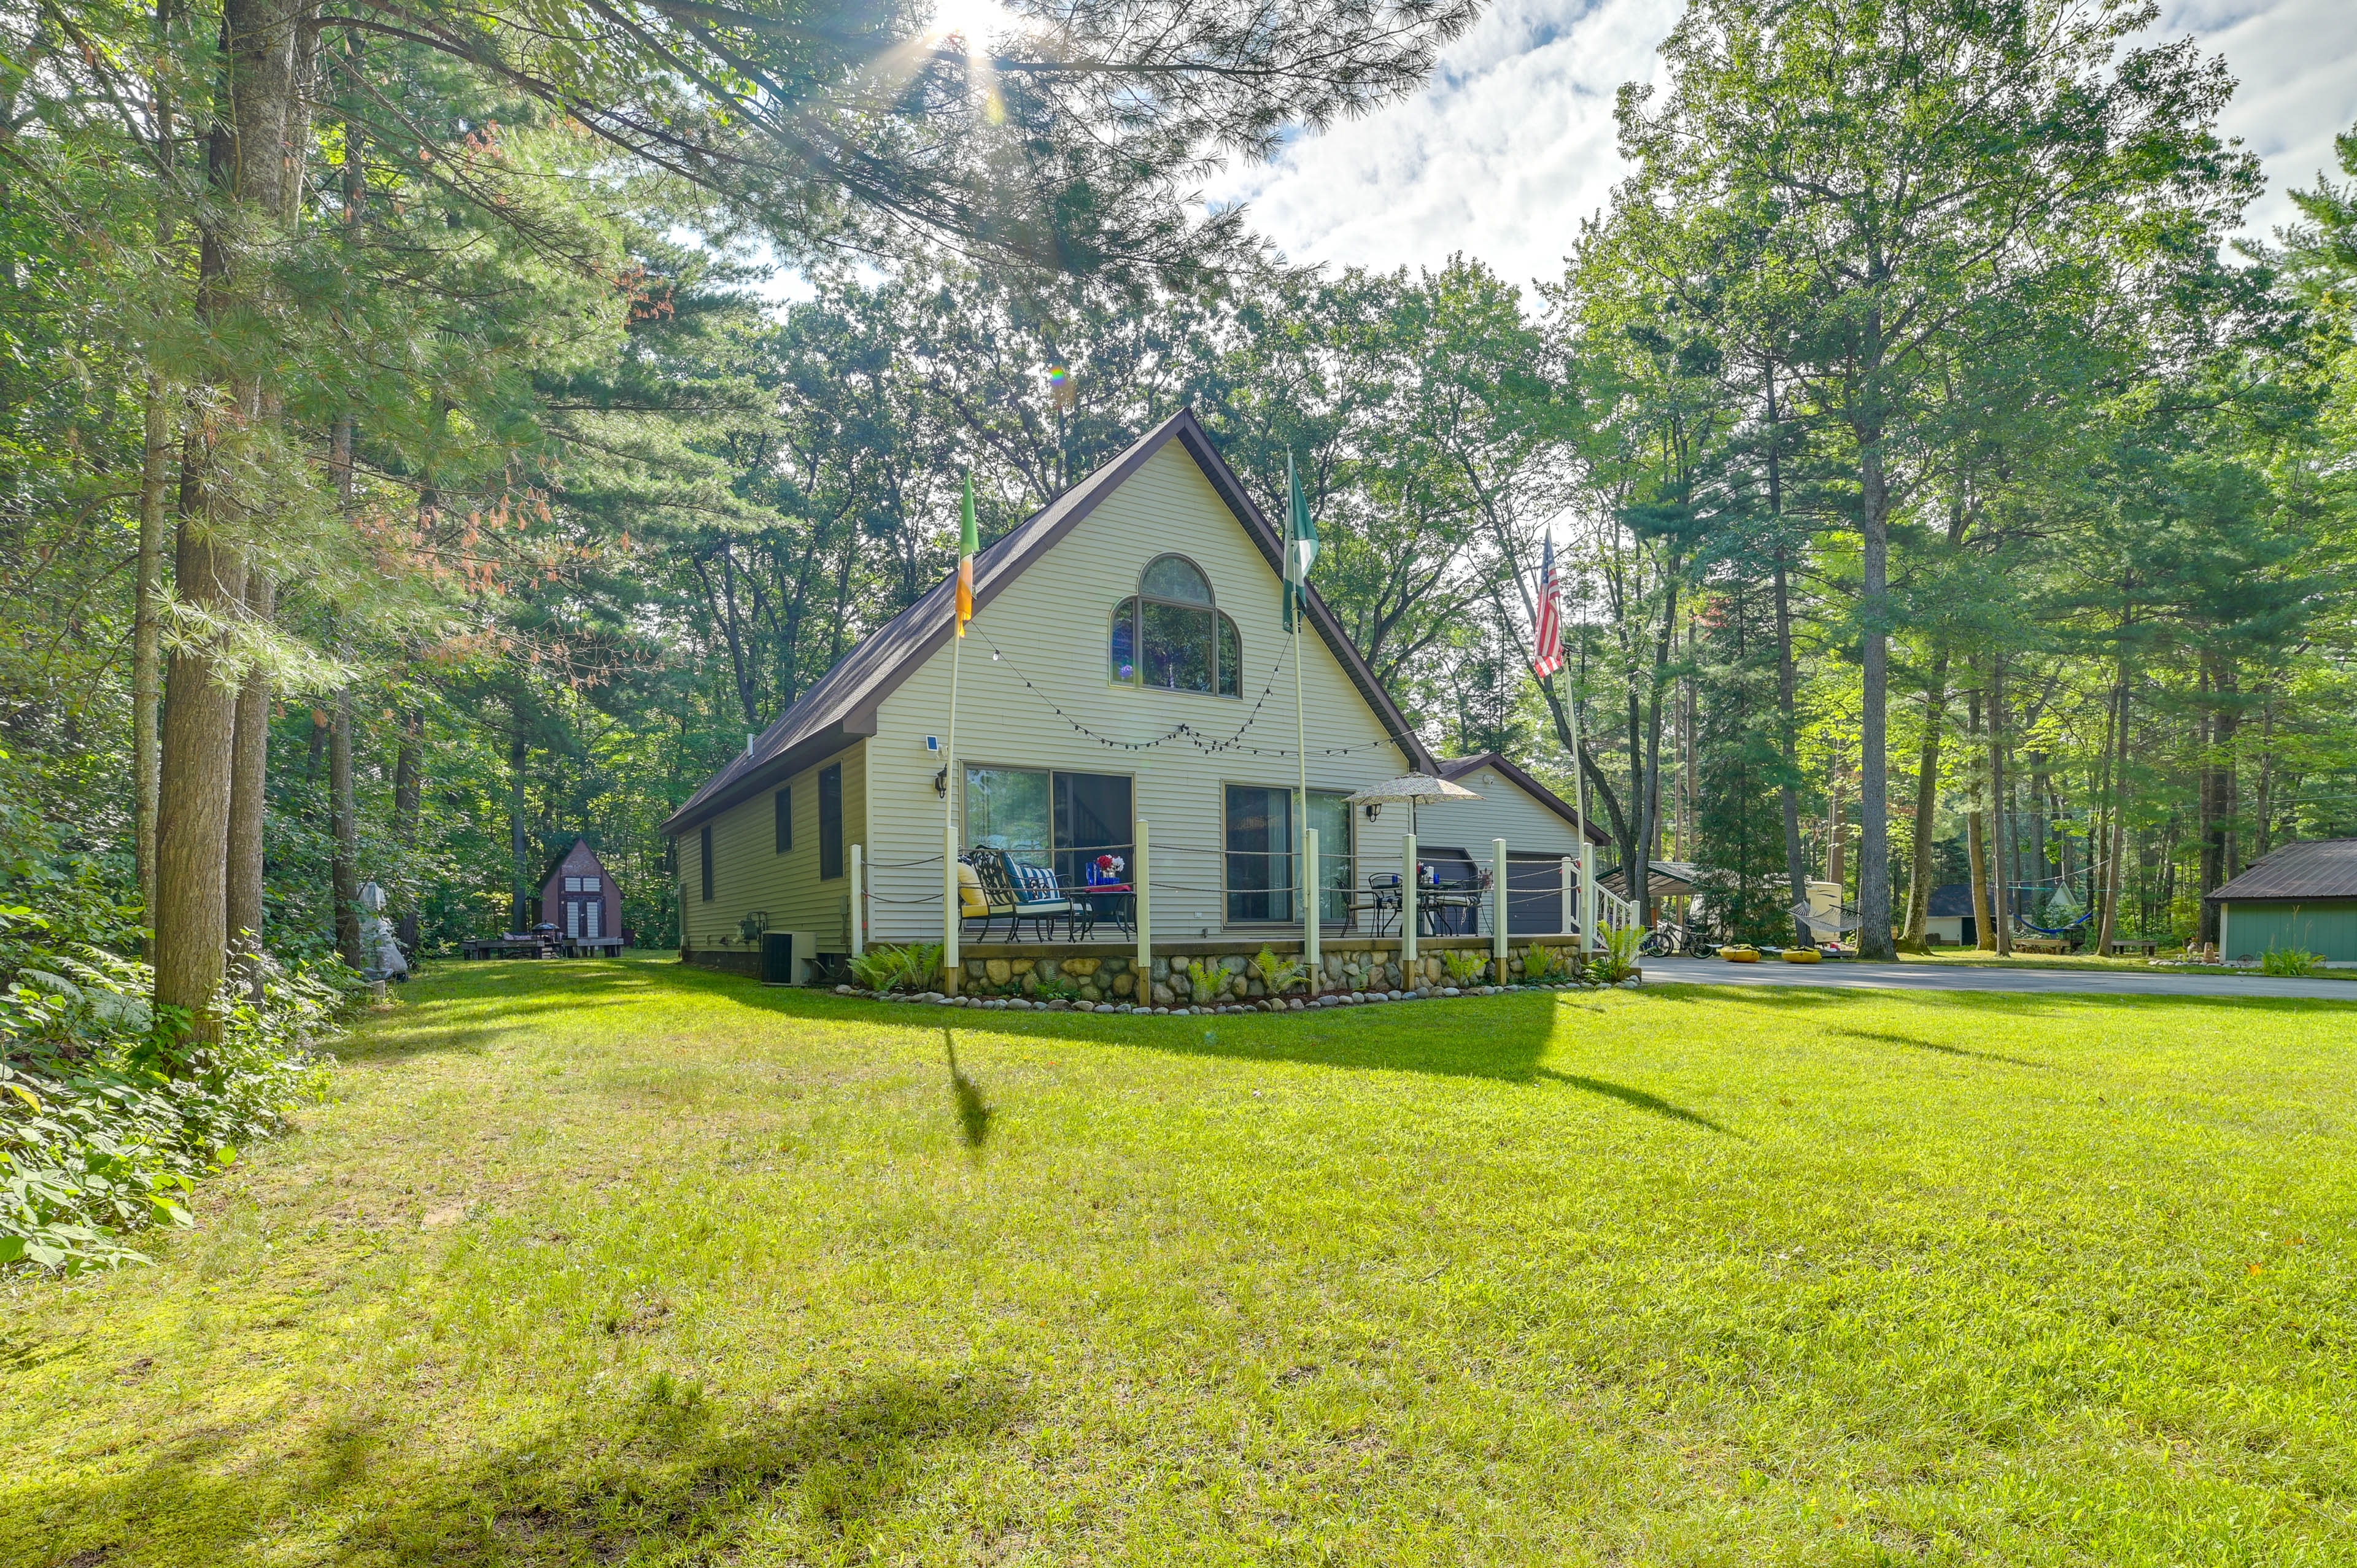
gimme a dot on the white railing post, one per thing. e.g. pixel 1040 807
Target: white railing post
pixel 1566 917
pixel 1145 978
pixel 1498 906
pixel 858 934
pixel 1316 894
pixel 1587 898
pixel 1407 910
pixel 951 963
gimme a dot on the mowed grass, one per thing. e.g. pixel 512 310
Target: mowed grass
pixel 619 1262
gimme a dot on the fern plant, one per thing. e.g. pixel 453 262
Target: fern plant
pixel 1619 960
pixel 1543 966
pixel 897 968
pixel 1204 980
pixel 1465 964
pixel 1279 975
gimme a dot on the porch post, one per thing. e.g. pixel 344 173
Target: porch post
pixel 1407 909
pixel 858 901
pixel 1314 893
pixel 1587 898
pixel 1498 904
pixel 1566 918
pixel 1144 981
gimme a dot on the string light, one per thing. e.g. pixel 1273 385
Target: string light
pixel 1183 731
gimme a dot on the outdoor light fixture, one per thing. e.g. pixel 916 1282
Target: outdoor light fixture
pixel 1374 809
pixel 941 783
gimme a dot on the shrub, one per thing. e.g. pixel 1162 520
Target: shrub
pixel 1279 975
pixel 1465 964
pixel 2291 961
pixel 108 1117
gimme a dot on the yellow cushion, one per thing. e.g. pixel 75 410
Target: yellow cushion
pixel 970 903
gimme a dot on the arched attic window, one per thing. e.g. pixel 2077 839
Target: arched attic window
pixel 1170 637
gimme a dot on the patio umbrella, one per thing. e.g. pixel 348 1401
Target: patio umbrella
pixel 1413 788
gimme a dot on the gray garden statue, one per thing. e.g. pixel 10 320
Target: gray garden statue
pixel 384 960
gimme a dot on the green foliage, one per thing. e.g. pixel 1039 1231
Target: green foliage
pixel 2292 962
pixel 106 1120
pixel 1279 974
pixel 1619 960
pixel 909 968
pixel 1543 966
pixel 1204 980
pixel 1465 965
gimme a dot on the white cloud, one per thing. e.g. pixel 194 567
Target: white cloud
pixel 1512 143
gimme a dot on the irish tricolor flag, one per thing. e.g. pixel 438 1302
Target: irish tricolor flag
pixel 966 547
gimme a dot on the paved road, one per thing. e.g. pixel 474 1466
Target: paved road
pixel 1949 977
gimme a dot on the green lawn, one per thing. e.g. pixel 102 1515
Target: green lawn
pixel 616 1262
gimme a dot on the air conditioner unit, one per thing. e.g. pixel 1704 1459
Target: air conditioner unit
pixel 787 957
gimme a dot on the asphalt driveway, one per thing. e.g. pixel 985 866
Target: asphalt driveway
pixel 1951 977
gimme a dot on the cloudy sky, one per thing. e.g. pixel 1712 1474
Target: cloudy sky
pixel 1511 144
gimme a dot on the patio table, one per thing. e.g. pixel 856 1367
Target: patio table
pixel 1117 901
pixel 1458 903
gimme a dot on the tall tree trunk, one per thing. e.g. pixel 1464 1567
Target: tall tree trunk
pixel 147 633
pixel 247 160
pixel 1874 940
pixel 519 753
pixel 2264 836
pixel 248 783
pixel 1788 726
pixel 1976 836
pixel 147 641
pixel 409 777
pixel 2001 879
pixel 1927 804
pixel 191 909
pixel 2117 852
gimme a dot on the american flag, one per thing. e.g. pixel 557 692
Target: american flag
pixel 1546 639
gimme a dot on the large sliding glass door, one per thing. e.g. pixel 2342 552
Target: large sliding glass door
pixel 1259 823
pixel 1044 818
pixel 1264 855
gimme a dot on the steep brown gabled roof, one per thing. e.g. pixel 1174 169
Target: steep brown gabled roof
pixel 2314 868
pixel 841 707
pixel 1456 767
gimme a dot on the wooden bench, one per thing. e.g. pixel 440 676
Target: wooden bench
pixel 2140 947
pixel 2049 945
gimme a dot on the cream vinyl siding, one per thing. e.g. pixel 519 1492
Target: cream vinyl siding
pixel 1052 622
pixel 747 874
pixel 1504 811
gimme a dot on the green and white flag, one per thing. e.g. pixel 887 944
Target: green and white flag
pixel 1300 547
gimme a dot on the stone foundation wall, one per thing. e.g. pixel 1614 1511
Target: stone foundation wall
pixel 1215 974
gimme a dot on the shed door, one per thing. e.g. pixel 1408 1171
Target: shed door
pixel 573 916
pixel 591 909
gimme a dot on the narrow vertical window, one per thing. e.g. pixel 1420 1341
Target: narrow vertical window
pixel 785 807
pixel 704 843
pixel 830 821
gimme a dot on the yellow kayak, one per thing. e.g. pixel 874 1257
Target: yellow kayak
pixel 1804 955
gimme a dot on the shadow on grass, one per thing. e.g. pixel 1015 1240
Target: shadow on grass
pixel 665 1477
pixel 1498 1039
pixel 1910 1041
pixel 448 1013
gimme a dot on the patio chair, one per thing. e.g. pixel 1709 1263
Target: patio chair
pixel 982 893
pixel 1021 891
pixel 1381 900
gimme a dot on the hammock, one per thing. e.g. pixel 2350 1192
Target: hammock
pixel 2055 930
pixel 1846 921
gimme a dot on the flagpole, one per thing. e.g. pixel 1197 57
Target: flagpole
pixel 961 611
pixel 950 962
